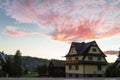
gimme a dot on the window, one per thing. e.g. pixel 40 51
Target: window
pixel 77 75
pixel 90 58
pixel 76 67
pixel 99 67
pixel 70 67
pixel 76 58
pixel 99 58
pixel 70 75
pixel 94 49
pixel 70 58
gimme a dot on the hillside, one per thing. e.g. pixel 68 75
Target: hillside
pixel 31 63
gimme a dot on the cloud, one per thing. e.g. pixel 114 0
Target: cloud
pixel 14 32
pixel 110 52
pixel 68 20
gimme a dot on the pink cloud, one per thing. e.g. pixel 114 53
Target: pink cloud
pixel 13 31
pixel 69 20
pixel 111 52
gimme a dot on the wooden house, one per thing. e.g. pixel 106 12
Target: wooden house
pixel 85 60
pixel 56 68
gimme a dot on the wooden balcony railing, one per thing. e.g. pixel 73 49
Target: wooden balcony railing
pixel 72 62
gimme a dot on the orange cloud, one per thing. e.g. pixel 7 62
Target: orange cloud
pixel 84 31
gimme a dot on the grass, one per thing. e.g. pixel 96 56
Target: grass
pixel 30 75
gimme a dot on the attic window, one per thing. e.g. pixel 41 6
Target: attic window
pixel 94 49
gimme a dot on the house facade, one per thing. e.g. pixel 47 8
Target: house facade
pixel 85 60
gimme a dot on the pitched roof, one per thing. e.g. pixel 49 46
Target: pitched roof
pixel 117 62
pixel 2 55
pixel 58 63
pixel 82 48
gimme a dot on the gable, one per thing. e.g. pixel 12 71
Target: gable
pixel 84 48
pixel 94 50
pixel 72 50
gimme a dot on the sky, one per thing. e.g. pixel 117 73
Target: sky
pixel 46 28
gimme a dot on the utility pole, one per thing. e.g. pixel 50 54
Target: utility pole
pixel 119 53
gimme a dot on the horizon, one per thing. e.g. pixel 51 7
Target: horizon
pixel 45 29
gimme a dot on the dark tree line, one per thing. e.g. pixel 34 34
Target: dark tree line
pixel 113 71
pixel 42 70
pixel 13 66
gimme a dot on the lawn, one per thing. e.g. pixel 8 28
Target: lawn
pixel 30 75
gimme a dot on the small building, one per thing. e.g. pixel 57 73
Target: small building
pixel 2 59
pixel 56 68
pixel 117 62
pixel 85 60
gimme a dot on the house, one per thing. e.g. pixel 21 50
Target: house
pixel 117 62
pixel 56 68
pixel 85 60
pixel 2 59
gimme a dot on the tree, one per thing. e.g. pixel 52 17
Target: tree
pixel 113 71
pixel 17 64
pixel 7 67
pixel 42 70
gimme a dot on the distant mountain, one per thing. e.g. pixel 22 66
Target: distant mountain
pixel 31 63
pixel 111 52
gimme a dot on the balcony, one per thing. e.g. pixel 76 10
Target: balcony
pixel 72 62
